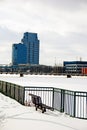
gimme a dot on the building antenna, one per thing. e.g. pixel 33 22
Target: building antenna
pixel 55 61
pixel 80 58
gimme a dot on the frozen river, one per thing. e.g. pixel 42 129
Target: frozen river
pixel 74 83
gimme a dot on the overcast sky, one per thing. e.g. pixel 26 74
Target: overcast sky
pixel 61 26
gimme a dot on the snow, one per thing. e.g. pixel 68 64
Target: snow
pixel 76 83
pixel 14 116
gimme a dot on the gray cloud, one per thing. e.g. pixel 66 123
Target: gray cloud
pixel 68 5
pixel 70 47
pixel 7 35
pixel 7 38
pixel 60 24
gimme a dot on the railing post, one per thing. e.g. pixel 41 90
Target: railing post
pixel 53 99
pixel 74 112
pixel 19 94
pixel 62 100
pixel 14 91
pixel 23 96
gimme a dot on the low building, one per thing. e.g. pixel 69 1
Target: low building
pixel 74 67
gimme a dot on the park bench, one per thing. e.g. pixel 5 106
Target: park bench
pixel 37 101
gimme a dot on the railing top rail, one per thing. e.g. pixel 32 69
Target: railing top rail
pixel 38 87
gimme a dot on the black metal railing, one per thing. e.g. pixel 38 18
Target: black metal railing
pixel 46 94
pixel 73 103
pixel 12 90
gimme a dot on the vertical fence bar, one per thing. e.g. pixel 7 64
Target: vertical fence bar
pixel 62 101
pixel 74 112
pixel 23 96
pixel 53 99
pixel 18 93
pixel 63 95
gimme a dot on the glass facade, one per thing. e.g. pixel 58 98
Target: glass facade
pixel 32 43
pixel 19 54
pixel 26 52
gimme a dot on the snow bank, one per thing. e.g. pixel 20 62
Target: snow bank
pixel 14 116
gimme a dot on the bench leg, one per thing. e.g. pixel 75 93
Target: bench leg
pixel 43 109
pixel 36 107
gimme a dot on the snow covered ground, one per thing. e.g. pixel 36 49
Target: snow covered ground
pixel 14 116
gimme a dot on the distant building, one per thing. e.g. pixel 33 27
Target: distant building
pixel 32 43
pixel 75 67
pixel 19 52
pixel 26 52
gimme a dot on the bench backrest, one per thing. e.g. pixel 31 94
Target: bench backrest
pixel 36 99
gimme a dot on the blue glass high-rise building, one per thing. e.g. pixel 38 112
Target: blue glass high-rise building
pixel 26 52
pixel 19 52
pixel 32 44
